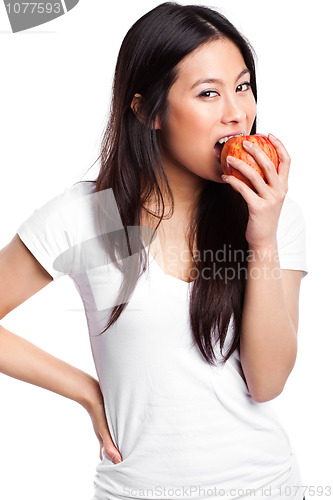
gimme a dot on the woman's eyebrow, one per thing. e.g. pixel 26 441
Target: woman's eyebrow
pixel 217 80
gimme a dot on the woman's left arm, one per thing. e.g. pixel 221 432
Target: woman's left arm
pixel 268 344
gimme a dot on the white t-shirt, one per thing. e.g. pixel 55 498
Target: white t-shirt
pixel 185 429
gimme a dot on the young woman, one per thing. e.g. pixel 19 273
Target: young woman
pixel 193 334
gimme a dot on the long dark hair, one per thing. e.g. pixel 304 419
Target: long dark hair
pixel 131 166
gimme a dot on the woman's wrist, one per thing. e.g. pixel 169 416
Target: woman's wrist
pixel 264 261
pixel 91 392
pixel 264 246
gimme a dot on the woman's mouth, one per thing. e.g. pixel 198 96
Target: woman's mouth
pixel 220 145
pixel 218 150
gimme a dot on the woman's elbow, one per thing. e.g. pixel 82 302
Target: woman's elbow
pixel 264 394
pixel 268 384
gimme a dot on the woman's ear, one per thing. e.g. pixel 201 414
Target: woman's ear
pixel 136 106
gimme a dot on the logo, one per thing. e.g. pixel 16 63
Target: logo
pixel 25 15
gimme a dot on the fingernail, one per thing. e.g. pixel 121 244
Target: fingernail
pixel 247 144
pixel 230 159
pixel 117 460
pixel 271 135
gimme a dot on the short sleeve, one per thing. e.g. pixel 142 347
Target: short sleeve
pixel 291 237
pixel 50 232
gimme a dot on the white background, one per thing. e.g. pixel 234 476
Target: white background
pixel 55 91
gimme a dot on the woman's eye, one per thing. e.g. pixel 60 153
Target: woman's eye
pixel 206 93
pixel 248 84
pixel 212 93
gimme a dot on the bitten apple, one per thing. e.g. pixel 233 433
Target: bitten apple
pixel 234 147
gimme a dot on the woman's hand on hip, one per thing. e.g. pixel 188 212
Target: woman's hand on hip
pixel 94 404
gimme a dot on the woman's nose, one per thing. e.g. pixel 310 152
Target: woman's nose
pixel 232 111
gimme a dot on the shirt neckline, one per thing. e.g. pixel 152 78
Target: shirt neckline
pixel 164 274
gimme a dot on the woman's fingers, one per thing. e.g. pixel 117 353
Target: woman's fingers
pixel 284 157
pixel 251 174
pixel 110 449
pixel 263 161
pixel 99 421
pixel 103 429
pixel 112 453
pixel 242 188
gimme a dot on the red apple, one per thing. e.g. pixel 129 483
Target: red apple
pixel 234 147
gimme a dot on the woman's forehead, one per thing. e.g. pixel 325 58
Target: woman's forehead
pixel 220 59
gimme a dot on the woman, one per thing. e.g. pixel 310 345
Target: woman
pixel 190 349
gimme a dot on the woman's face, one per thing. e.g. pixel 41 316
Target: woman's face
pixel 211 98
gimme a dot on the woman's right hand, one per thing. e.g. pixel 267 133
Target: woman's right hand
pixel 95 407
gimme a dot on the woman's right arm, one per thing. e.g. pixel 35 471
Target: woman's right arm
pixel 21 276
